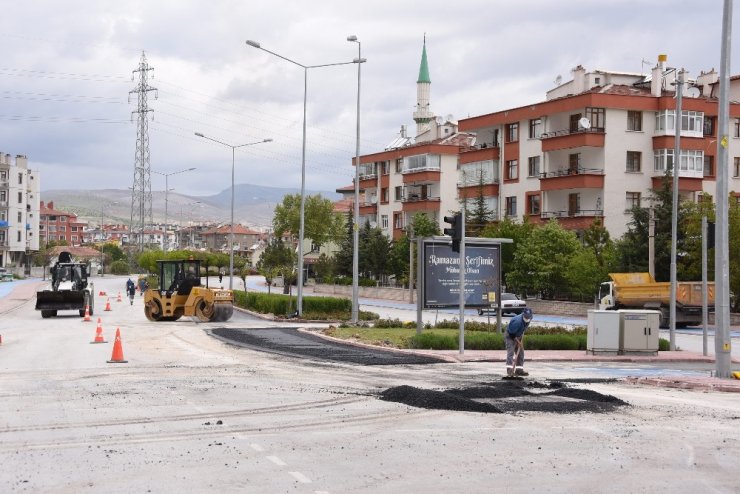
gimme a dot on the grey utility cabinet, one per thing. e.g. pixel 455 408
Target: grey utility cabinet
pixel 623 331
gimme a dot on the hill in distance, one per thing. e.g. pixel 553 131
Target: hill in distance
pixel 253 205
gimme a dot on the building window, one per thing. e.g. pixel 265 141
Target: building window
pixel 74 238
pixel 20 197
pixel 386 167
pixel 634 161
pixel 62 228
pixel 737 127
pixel 690 120
pixel 384 195
pixel 534 166
pixel 708 166
pixel 535 128
pixel 574 204
pixel 709 126
pixel 20 178
pixel 736 169
pixel 398 220
pixel 3 196
pixel 512 132
pixel 398 194
pixel 511 206
pixel 512 170
pixel 533 204
pixel 634 121
pixel 399 165
pixel 20 217
pixel 574 122
pixel 19 236
pixel 597 118
pixel 384 221
pixel 62 218
pixel 632 200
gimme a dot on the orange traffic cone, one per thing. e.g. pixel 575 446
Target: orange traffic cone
pixel 87 314
pixel 107 304
pixel 99 333
pixel 119 297
pixel 117 357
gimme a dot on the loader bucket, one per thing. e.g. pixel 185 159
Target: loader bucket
pixel 61 300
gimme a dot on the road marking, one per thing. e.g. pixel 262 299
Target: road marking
pixel 300 477
pixel 257 447
pixel 321 492
pixel 277 461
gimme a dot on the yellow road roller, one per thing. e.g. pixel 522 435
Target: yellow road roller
pixel 180 294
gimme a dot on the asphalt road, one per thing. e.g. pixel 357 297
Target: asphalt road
pixel 190 413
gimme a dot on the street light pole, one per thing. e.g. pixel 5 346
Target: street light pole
pixel 231 234
pixel 102 238
pixel 356 227
pixel 166 192
pixel 255 44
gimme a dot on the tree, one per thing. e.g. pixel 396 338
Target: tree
pixel 540 264
pixel 278 260
pixel 481 215
pixel 424 226
pixel 344 258
pixel 377 252
pixel 509 228
pixel 321 223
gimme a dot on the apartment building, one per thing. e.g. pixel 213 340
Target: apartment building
pixel 413 175
pixel 599 144
pixel 19 211
pixel 58 225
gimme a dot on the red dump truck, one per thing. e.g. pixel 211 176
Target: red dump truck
pixel 641 291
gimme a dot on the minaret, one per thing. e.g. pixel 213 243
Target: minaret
pixel 423 114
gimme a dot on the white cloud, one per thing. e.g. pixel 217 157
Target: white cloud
pixel 65 76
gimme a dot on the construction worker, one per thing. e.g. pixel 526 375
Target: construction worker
pixel 514 347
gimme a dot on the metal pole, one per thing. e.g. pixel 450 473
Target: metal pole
pixel 166 203
pixel 411 265
pixel 102 243
pixel 356 232
pixel 462 284
pixel 299 302
pixel 651 242
pixel 722 342
pixel 419 285
pixel 674 212
pixel 704 302
pixel 231 233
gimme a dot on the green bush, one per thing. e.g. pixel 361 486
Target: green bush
pixel 664 345
pixel 119 267
pixel 279 304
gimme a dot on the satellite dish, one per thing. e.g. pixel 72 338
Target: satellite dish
pixel 558 80
pixel 584 123
pixel 373 224
pixel 374 200
pixel 440 120
pixel 692 92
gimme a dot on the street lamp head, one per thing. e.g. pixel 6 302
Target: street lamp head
pixel 352 37
pixel 199 134
pixel 191 169
pixel 267 140
pixel 359 60
pixel 253 44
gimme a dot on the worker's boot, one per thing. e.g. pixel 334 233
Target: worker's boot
pixel 510 371
pixel 521 372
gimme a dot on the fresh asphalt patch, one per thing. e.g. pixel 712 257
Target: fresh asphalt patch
pixel 506 397
pixel 294 343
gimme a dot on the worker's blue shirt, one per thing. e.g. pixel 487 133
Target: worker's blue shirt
pixel 517 326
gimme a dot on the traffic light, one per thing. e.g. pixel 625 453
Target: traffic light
pixel 455 231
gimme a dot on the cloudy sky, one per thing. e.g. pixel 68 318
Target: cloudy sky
pixel 66 74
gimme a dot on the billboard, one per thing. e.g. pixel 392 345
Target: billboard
pixel 441 274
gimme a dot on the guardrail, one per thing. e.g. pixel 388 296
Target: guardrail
pixel 572 214
pixel 567 132
pixel 564 172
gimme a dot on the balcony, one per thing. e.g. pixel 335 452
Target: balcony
pixel 572 178
pixel 417 202
pixel 578 219
pixel 568 139
pixel 479 153
pixel 428 174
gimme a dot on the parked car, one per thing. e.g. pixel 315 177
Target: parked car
pixel 510 304
pixel 5 276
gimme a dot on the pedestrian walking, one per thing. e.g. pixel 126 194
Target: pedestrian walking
pixel 514 347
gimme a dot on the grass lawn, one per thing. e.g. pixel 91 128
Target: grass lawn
pixel 393 337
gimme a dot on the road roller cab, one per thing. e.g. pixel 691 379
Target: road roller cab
pixel 180 294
